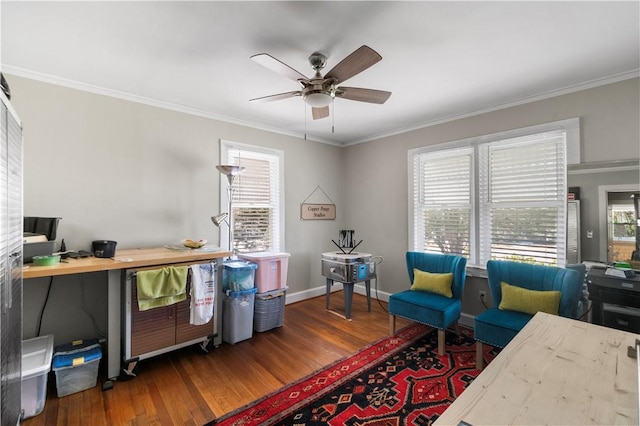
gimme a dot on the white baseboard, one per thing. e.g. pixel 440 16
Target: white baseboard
pixel 319 291
pixel 467 320
pixel 304 295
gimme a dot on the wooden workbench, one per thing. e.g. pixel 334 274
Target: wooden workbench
pixel 124 259
pixel 555 371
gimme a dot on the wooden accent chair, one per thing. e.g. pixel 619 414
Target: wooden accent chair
pixel 427 307
pixel 517 304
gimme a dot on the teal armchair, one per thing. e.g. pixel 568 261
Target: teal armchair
pixel 428 308
pixel 497 327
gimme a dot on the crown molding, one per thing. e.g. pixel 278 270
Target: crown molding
pixel 45 78
pixel 604 167
pixel 98 90
pixel 498 106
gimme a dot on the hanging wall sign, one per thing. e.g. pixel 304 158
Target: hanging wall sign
pixel 317 211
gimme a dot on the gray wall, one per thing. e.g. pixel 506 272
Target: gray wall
pixel 377 171
pixel 145 176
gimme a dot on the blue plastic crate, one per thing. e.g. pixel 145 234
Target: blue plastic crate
pixel 76 367
pixel 75 346
pixel 238 275
pixel 61 361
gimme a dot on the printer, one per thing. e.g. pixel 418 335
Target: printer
pixel 615 298
pixel 39 237
pixel 35 245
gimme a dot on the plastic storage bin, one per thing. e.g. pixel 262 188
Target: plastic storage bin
pixel 272 269
pixel 237 315
pixel 76 366
pixel 36 364
pixel 269 310
pixel 238 275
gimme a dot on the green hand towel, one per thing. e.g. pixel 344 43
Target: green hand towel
pixel 161 287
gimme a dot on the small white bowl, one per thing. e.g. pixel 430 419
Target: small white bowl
pixel 194 244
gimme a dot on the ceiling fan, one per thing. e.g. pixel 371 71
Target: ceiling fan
pixel 319 91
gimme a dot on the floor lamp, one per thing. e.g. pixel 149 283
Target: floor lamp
pixel 231 172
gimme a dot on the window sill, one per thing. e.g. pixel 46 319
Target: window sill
pixel 477 272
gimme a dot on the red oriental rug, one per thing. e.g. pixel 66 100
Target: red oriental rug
pixel 396 381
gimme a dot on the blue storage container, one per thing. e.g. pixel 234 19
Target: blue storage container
pixel 75 346
pixel 238 275
pixel 76 366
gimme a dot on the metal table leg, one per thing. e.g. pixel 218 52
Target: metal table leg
pixel 113 332
pixel 348 298
pixel 367 285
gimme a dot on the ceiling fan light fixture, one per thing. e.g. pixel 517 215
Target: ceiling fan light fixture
pixel 317 99
pixel 320 90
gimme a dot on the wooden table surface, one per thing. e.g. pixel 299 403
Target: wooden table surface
pixel 123 259
pixel 555 371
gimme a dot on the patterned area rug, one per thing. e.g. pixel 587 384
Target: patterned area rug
pixel 396 381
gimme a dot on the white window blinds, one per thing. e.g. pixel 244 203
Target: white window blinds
pixel 494 197
pixel 442 207
pixel 522 189
pixel 256 200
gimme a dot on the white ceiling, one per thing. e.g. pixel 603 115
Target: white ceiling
pixel 441 60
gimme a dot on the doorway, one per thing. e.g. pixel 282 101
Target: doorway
pixel 620 212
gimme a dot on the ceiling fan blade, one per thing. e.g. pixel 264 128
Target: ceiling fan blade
pixel 363 95
pixel 276 97
pixel 278 66
pixel 319 113
pixel 358 61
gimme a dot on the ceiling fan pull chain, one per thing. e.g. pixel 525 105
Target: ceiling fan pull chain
pixel 333 116
pixel 304 108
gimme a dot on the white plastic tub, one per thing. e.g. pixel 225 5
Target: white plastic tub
pixel 36 364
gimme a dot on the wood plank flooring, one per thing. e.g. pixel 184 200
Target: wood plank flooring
pixel 185 387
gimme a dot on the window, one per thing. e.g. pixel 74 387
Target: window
pixel 499 196
pixel 257 200
pixel 623 222
pixel 442 191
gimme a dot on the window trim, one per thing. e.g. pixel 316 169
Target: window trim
pixel 225 147
pixel 572 154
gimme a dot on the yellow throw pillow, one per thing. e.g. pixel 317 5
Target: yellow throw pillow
pixel 529 301
pixel 432 282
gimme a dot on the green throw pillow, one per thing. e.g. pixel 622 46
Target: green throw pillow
pixel 529 301
pixel 432 283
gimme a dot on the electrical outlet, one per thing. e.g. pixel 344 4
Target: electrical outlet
pixel 483 296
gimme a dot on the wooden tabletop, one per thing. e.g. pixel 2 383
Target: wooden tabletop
pixel 555 371
pixel 131 258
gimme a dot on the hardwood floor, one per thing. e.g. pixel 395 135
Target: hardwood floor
pixel 185 387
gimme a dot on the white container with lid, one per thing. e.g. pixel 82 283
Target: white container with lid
pixel 36 364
